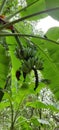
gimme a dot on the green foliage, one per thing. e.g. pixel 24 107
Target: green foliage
pixel 40 105
pixel 50 70
pixel 4 65
pixel 23 51
pixel 38 122
pixel 12 45
pixel 53 49
pixel 52 4
pixel 37 5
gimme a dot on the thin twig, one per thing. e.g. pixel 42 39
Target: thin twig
pixel 28 16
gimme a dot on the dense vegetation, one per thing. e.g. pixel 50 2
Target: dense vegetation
pixel 29 66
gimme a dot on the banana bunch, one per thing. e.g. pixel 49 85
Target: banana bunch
pixel 29 59
pixel 19 53
pixel 26 53
pixel 38 64
pixel 28 65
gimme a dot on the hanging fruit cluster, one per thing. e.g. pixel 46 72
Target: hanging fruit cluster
pixel 30 61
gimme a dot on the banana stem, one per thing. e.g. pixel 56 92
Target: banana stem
pixel 17 39
pixel 36 78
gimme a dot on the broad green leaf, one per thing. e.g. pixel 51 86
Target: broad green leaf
pixel 53 34
pixel 4 66
pixel 53 49
pixel 39 105
pixel 37 6
pixel 30 1
pixel 50 70
pixel 12 46
pixel 53 4
pixel 51 73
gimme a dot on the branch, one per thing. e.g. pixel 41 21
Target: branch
pixel 23 35
pixel 26 35
pixel 28 16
